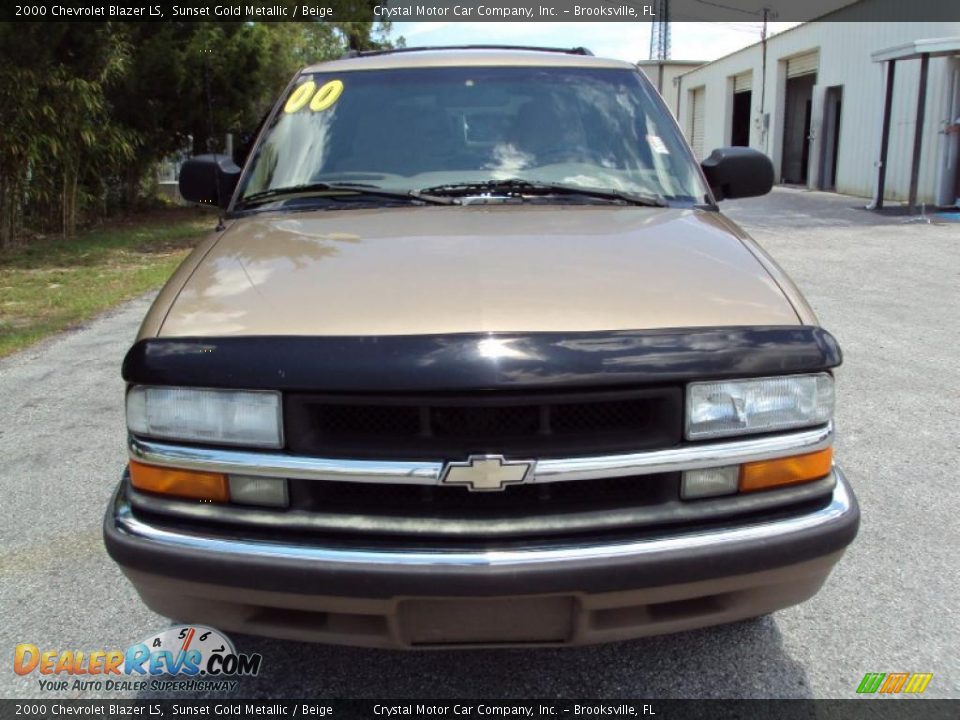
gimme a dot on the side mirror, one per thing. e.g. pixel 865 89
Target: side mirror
pixel 209 179
pixel 738 172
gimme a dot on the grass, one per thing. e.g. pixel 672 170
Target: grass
pixel 53 284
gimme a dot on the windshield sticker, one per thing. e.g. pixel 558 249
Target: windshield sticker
pixel 657 145
pixel 300 97
pixel 327 95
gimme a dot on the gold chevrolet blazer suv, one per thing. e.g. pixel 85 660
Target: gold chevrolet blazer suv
pixel 474 359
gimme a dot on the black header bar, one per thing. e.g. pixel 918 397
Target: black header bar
pixel 476 10
pixel 227 708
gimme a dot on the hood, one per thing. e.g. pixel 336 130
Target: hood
pixel 497 268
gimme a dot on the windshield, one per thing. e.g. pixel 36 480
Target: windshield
pixel 411 129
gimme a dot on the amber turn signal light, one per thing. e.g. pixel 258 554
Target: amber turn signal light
pixel 206 486
pixel 785 471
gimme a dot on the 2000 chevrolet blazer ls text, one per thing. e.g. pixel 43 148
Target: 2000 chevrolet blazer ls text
pixel 475 359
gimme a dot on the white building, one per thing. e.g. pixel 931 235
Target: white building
pixel 663 75
pixel 814 98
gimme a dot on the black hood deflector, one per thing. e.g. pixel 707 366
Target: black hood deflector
pixel 481 361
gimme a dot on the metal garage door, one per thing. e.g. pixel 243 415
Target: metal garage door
pixel 743 82
pixel 698 99
pixel 803 64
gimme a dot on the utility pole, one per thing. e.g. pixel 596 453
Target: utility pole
pixel 660 31
pixel 763 77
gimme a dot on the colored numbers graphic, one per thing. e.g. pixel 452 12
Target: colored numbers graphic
pixel 319 98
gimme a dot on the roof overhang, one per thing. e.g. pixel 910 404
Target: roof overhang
pixel 934 47
pixel 645 63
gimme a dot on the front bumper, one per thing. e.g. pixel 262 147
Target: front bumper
pixel 513 594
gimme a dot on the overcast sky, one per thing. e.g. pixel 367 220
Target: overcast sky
pixel 623 40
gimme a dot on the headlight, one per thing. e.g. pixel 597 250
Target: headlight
pixel 742 407
pixel 229 417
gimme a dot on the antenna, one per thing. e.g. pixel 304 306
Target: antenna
pixel 660 31
pixel 216 175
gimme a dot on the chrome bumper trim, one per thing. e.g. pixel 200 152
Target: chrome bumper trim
pixel 272 464
pixel 294 467
pixel 688 457
pixel 837 511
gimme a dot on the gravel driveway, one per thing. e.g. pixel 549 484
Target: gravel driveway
pixel 887 289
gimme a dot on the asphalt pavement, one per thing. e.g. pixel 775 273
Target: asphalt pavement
pixel 887 289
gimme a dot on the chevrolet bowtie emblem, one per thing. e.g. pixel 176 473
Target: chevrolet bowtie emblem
pixel 487 472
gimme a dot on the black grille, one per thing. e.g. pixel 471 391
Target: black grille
pixel 452 427
pixel 371 499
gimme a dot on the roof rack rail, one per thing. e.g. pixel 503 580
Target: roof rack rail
pixel 391 51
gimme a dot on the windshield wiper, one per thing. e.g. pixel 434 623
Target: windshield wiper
pixel 335 189
pixel 517 187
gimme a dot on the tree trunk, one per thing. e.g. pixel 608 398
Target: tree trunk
pixel 4 214
pixel 64 202
pixel 74 180
pixel 5 205
pixel 73 203
pixel 132 186
pixel 69 202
